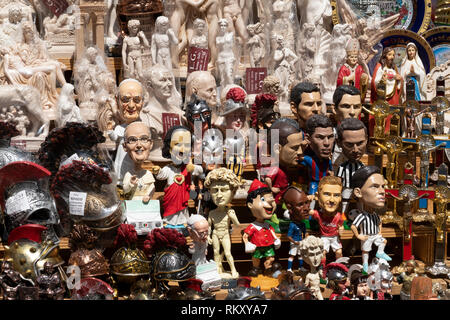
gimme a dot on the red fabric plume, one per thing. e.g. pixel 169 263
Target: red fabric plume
pixel 162 238
pixel 236 94
pixel 126 233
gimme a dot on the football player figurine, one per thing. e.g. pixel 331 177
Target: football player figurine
pixel 369 188
pixel 259 237
pixel 329 218
pixel 297 204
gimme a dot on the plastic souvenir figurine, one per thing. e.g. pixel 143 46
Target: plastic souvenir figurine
pixel 259 237
pixel 132 49
pixel 320 137
pixel 285 60
pixel 406 277
pixel 50 284
pixel 347 102
pixel 410 119
pixel 226 58
pixel 297 204
pixel 329 195
pixel 12 282
pixel 352 73
pixel 380 282
pixel 263 112
pixel 163 108
pixel 198 228
pixel 222 184
pixel 197 110
pixel 386 74
pixel 130 99
pixel 305 101
pixel 412 68
pixel 256 44
pixel 138 183
pixel 162 40
pixel 68 109
pixel 312 251
pixel 203 85
pixel 352 138
pixel 380 112
pixel 338 281
pixel 200 37
pixel 359 283
pixel 368 187
pixel 427 145
pixel 178 174
pixel 289 148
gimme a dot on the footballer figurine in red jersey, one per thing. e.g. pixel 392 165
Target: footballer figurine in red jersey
pixel 259 237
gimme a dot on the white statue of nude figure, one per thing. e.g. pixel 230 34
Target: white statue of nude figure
pixel 222 184
pixel 132 49
pixel 312 252
pixel 162 39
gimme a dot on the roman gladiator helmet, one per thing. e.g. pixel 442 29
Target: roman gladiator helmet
pixel 198 110
pixel 336 273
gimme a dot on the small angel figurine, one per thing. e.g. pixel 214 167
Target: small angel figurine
pixel 222 184
pixel 161 41
pixel 132 49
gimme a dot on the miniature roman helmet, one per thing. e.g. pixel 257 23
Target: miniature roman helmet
pixel 336 273
pixel 25 197
pixel 235 100
pixel 198 110
pixel 167 250
pixel 128 263
pixel 28 253
pixel 8 153
pixel 244 291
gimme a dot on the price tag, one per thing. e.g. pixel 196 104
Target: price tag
pixel 77 202
pixel 19 144
pixel 197 59
pixel 169 120
pixel 69 160
pixel 17 203
pixel 254 78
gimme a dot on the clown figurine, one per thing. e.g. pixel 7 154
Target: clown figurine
pixel 259 237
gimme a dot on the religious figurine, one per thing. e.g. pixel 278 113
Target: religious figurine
pixel 307 50
pixel 352 73
pixel 297 204
pixel 329 218
pixel 285 60
pixel 305 100
pixel 387 75
pixel 130 99
pixel 132 47
pixel 198 228
pixel 28 63
pixel 68 109
pixel 392 146
pixel 442 106
pixel 226 58
pixel 163 108
pixel 368 187
pixel 284 22
pixel 312 251
pixel 380 112
pixel 200 37
pixel 177 148
pixel 222 184
pixel 256 44
pixel 359 283
pixel 22 122
pixel 410 119
pixel 138 183
pixel 320 137
pixel 108 113
pixel 203 85
pixel 412 68
pixel 352 138
pixel 162 40
pixel 50 284
pixel 427 144
pixel 259 237
pixel 233 14
pixel 338 281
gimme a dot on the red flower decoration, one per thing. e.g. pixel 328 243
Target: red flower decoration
pixel 236 94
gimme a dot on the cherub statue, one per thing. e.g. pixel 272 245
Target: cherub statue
pixel 132 49
pixel 162 39
pixel 256 44
pixel 222 184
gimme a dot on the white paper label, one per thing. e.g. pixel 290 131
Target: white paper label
pixel 17 203
pixel 69 160
pixel 77 201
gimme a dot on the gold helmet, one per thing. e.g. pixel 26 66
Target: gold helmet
pixel 28 254
pixel 128 264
